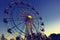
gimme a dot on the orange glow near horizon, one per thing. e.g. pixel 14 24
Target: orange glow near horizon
pixel 53 27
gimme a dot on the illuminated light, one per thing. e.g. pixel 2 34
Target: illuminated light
pixel 29 16
pixel 22 36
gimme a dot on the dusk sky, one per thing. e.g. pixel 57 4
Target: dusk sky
pixel 49 10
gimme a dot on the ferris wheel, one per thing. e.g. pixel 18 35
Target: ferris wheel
pixel 23 18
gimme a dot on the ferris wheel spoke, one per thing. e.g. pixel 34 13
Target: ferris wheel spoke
pixel 35 27
pixel 16 25
pixel 14 20
pixel 10 19
pixel 21 30
pixel 17 28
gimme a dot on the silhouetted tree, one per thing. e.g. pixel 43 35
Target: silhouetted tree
pixel 54 37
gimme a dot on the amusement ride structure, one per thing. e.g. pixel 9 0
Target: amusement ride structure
pixel 23 19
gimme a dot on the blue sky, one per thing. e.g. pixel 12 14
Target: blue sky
pixel 49 10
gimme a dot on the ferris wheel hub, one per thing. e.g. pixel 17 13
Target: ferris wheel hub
pixel 29 16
